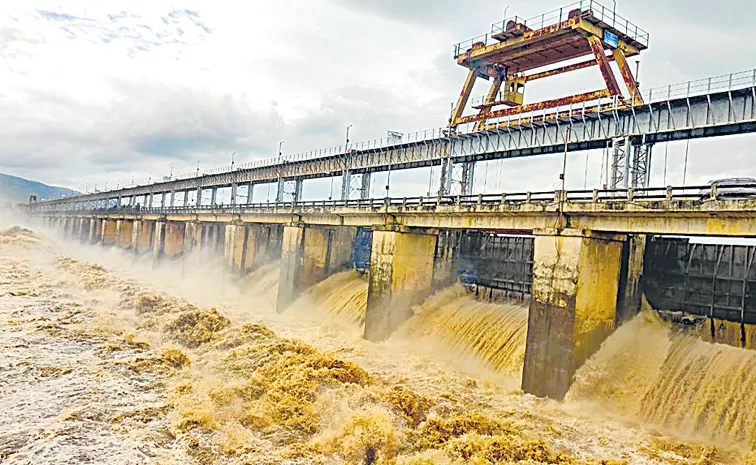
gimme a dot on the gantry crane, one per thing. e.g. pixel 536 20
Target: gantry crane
pixel 518 51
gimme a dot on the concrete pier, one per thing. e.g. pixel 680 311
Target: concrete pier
pixel 308 255
pixel 168 240
pixel 573 308
pixel 124 233
pixel 95 230
pixel 108 236
pixel 401 275
pixel 630 292
pixel 246 246
pixel 192 236
pixel 84 225
pixel 143 236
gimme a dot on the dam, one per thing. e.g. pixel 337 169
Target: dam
pixel 582 280
pixel 599 326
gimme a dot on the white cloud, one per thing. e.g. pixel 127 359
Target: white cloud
pixel 97 91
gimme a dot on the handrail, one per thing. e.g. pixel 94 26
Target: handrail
pixel 593 8
pixel 701 194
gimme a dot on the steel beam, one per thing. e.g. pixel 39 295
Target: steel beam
pixel 660 119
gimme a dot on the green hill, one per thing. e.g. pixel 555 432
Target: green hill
pixel 17 190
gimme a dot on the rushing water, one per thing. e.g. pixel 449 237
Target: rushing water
pixel 124 363
pixel 651 372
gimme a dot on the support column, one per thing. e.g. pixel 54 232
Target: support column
pixel 213 195
pixel 169 240
pixel 401 275
pixel 84 229
pixel 124 233
pixel 245 246
pixel 109 231
pixel 250 193
pixel 68 224
pixel 95 230
pixel 192 236
pixel 630 292
pixel 144 232
pixel 573 308
pixel 443 263
pixel 234 247
pixel 309 255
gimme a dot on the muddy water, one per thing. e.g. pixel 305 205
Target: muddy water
pixel 176 365
pixel 651 372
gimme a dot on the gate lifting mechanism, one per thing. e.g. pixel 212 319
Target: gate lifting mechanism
pixel 519 50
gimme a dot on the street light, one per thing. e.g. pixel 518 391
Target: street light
pixel 346 147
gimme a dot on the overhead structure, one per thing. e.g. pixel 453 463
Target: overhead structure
pixel 518 51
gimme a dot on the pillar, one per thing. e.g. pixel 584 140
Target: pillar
pixel 213 195
pixel 192 232
pixel 68 224
pixel 75 228
pixel 401 275
pixel 95 230
pixel 234 245
pixel 308 255
pixel 142 237
pixel 573 307
pixel 246 246
pixel 630 292
pixel 168 240
pixel 83 229
pixel 443 263
pixel 109 231
pixel 124 233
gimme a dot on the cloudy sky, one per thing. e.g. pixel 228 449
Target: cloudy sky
pixel 106 91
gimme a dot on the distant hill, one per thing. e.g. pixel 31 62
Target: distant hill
pixel 17 190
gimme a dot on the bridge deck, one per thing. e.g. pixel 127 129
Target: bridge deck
pixel 673 211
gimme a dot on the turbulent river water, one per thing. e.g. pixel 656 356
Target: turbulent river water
pixel 107 359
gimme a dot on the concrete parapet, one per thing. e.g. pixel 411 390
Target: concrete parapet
pixel 573 309
pixel 401 275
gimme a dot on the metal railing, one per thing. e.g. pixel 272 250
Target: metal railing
pixel 697 194
pixel 587 7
